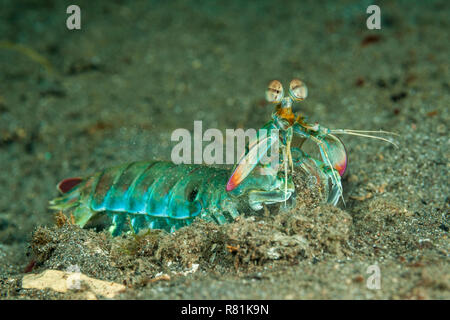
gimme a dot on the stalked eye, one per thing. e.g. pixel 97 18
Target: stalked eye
pixel 298 90
pixel 274 92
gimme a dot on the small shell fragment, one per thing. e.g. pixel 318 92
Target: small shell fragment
pixel 62 281
pixel 274 92
pixel 298 90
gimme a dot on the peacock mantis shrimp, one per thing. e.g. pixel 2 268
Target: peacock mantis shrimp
pixel 162 195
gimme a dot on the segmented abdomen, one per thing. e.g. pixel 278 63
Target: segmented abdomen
pixel 158 195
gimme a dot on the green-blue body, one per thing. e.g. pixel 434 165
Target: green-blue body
pixel 162 195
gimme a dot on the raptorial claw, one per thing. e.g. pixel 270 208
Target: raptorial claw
pixel 249 161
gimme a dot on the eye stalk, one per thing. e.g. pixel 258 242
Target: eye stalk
pixel 298 90
pixel 274 92
pixel 286 102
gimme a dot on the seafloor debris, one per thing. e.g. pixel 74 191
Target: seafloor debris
pixel 61 281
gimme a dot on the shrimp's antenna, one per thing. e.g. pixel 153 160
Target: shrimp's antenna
pixel 360 133
pixel 368 131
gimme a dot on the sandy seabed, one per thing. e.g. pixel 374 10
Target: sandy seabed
pixel 74 102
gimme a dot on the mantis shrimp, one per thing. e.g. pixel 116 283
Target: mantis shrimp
pixel 333 156
pixel 162 195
